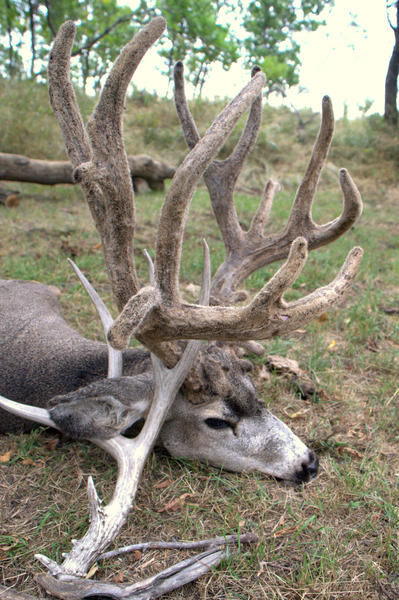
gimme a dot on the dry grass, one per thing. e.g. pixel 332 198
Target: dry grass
pixel 336 537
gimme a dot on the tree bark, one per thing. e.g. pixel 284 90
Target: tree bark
pixel 16 167
pixel 391 80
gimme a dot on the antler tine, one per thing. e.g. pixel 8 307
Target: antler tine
pixel 25 411
pixel 221 176
pixel 262 214
pixel 249 134
pixel 186 119
pixel 150 265
pixel 352 210
pixel 285 276
pixel 304 197
pixel 105 125
pixel 115 365
pixel 63 98
pixel 175 208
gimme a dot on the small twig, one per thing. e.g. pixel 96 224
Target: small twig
pixel 391 594
pixel 11 594
pixel 248 538
pixel 390 310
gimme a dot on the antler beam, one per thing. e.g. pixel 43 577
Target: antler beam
pixel 98 155
pixel 266 316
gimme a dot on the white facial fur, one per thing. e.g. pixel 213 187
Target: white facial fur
pixel 213 433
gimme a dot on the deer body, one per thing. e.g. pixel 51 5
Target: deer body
pixel 41 356
pixel 46 363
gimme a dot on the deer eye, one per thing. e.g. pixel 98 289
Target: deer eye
pixel 214 423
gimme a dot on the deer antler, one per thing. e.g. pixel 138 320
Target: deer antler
pixel 266 316
pixel 159 315
pixel 247 251
pixel 130 454
pixel 98 155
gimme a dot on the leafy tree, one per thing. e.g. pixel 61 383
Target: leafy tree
pixel 194 36
pixel 391 80
pixel 271 25
pixel 12 28
pixel 103 28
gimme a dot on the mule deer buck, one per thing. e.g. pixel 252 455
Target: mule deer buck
pixel 198 400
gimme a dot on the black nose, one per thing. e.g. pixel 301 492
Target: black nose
pixel 308 469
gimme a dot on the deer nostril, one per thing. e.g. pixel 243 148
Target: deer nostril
pixel 313 465
pixel 308 469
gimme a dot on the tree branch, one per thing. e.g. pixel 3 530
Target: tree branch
pixel 90 43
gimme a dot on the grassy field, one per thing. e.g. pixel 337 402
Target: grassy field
pixel 336 537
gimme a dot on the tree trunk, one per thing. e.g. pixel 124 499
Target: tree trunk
pixel 32 27
pixel 391 80
pixel 15 167
pixel 391 88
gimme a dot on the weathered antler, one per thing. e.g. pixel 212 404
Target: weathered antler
pixel 247 251
pixel 130 454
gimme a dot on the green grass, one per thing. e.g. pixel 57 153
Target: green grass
pixel 336 537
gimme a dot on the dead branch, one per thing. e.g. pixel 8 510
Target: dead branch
pixel 15 167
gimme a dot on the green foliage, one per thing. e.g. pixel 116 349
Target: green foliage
pixel 271 25
pixel 103 27
pixel 12 26
pixel 195 36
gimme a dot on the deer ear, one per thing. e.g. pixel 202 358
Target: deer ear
pixel 246 365
pixel 215 371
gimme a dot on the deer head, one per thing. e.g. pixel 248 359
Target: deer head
pixel 198 399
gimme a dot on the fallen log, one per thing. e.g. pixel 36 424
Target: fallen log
pixel 16 167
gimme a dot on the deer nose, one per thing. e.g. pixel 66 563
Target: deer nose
pixel 308 468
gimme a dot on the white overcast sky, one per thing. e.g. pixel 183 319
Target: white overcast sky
pixel 346 62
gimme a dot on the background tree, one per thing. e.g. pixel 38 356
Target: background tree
pixel 12 28
pixel 195 36
pixel 271 25
pixel 103 28
pixel 200 33
pixel 391 80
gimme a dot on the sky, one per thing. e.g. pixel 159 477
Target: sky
pixel 347 62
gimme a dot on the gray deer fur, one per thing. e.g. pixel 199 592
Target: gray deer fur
pixel 45 362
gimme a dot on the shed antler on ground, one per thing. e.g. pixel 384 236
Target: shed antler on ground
pixel 155 314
